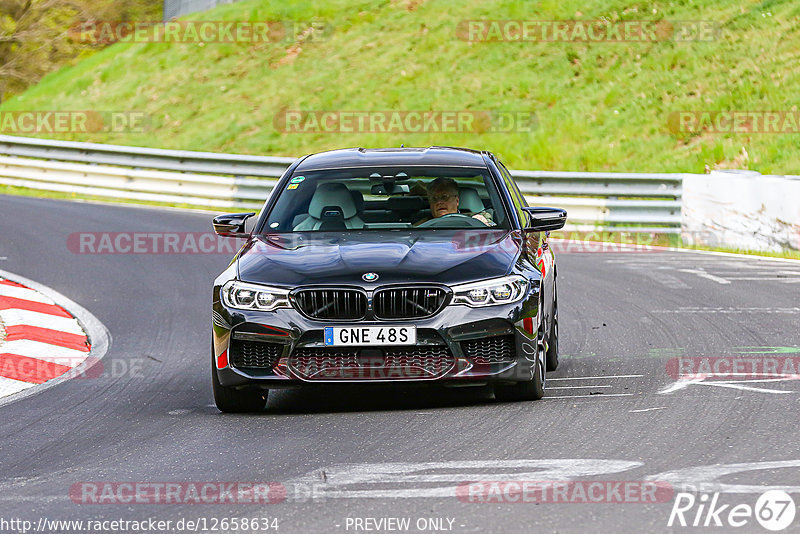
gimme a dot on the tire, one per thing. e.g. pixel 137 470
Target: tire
pixel 552 341
pixel 229 400
pixel 529 390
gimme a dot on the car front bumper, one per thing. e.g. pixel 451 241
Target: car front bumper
pixel 458 346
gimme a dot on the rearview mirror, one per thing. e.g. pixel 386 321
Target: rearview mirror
pixel 231 224
pixel 390 188
pixel 545 219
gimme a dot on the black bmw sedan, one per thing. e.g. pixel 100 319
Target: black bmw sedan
pixel 400 265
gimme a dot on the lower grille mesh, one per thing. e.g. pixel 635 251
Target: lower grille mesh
pixel 488 350
pixel 389 363
pixel 254 355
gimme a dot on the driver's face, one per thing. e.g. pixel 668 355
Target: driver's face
pixel 443 202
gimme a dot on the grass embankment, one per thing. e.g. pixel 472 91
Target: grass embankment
pixel 599 106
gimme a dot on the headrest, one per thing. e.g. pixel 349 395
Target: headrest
pixel 332 194
pixel 469 200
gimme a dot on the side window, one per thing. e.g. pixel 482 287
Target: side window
pixel 516 196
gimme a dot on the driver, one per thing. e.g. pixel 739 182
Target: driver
pixel 443 198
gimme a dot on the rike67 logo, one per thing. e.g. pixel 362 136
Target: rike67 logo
pixel 774 510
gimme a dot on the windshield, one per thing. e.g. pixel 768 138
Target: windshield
pixel 381 198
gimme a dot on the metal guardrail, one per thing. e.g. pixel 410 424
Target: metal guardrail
pixel 145 158
pixel 618 201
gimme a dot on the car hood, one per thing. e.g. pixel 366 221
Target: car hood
pixel 443 256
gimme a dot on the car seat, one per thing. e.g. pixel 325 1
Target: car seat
pixel 332 207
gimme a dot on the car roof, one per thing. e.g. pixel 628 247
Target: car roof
pixel 435 156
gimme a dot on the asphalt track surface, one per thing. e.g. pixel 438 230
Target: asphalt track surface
pixel 623 316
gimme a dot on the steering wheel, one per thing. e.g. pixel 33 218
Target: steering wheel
pixel 453 220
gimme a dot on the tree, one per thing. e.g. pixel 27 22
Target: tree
pixel 34 36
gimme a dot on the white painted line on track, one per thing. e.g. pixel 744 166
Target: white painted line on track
pixel 593 377
pixel 771 274
pixel 577 387
pixel 728 310
pixel 707 276
pixel 709 478
pixel 765 279
pixel 667 280
pixel 679 385
pixel 599 395
pixel 773 377
pixel 742 387
pixel 731 384
pixel 444 479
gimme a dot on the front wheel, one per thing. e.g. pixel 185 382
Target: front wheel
pixel 529 390
pixel 552 342
pixel 229 400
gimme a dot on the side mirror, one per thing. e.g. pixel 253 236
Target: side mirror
pixel 545 219
pixel 231 224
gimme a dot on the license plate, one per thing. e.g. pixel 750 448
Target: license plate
pixel 342 336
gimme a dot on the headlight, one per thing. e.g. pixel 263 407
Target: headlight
pixel 244 296
pixel 503 290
